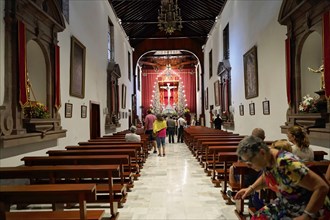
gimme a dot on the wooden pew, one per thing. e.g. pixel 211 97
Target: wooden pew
pixel 56 173
pixel 50 193
pixel 119 190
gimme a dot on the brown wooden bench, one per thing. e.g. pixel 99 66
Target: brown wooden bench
pixel 50 193
pixel 119 189
pixel 55 174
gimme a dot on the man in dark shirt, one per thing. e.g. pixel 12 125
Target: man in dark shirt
pixel 218 122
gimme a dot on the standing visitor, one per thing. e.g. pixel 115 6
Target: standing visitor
pixel 181 123
pixel 217 122
pixel 159 128
pixel 171 129
pixel 148 126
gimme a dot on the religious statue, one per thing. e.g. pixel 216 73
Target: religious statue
pixel 168 88
pixel 319 70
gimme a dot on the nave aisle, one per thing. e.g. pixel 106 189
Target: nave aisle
pixel 174 187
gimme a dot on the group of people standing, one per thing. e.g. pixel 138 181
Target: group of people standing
pixel 157 127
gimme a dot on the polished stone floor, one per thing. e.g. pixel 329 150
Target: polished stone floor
pixel 174 187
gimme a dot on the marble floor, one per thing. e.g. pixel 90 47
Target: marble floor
pixel 174 187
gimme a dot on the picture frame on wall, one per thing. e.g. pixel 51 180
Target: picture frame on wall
pixel 123 96
pixel 266 107
pixel 77 68
pixel 206 96
pixel 68 110
pixel 252 109
pixel 251 73
pixel 217 93
pixel 241 110
pixel 83 111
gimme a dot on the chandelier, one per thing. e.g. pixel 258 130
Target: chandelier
pixel 169 16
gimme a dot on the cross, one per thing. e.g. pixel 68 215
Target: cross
pixel 168 88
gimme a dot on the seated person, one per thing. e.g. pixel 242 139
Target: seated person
pixel 132 137
pixel 139 128
pixel 282 145
pixel 299 138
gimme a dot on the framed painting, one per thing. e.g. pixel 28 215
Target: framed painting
pixel 206 96
pixel 266 107
pixel 241 110
pixel 251 73
pixel 83 111
pixel 68 110
pixel 217 93
pixel 252 109
pixel 77 68
pixel 123 96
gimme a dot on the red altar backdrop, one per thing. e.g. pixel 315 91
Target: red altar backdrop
pixel 149 78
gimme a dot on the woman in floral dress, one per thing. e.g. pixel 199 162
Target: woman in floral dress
pixel 301 193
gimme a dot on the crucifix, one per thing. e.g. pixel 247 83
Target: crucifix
pixel 168 88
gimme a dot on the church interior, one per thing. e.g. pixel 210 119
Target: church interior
pixel 79 72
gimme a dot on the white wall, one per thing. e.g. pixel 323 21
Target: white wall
pixel 253 23
pixel 91 31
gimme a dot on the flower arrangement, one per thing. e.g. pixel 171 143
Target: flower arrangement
pixel 186 110
pixel 36 110
pixel 309 104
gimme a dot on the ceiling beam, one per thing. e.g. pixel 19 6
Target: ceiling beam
pixel 156 22
pixel 167 37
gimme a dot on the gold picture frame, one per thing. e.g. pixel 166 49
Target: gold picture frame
pixel 77 68
pixel 251 73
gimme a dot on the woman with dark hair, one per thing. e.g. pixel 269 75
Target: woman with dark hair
pixel 298 137
pixel 301 193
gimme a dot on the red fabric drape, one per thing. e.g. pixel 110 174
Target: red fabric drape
pixel 326 43
pixel 23 96
pixel 57 78
pixel 288 69
pixel 188 80
pixel 148 79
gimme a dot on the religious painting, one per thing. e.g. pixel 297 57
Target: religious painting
pixel 241 109
pixel 83 111
pixel 252 109
pixel 266 107
pixel 217 93
pixel 206 96
pixel 123 96
pixel 251 73
pixel 68 110
pixel 77 69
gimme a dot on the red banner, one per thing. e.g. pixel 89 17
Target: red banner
pixel 23 96
pixel 57 78
pixel 326 43
pixel 288 69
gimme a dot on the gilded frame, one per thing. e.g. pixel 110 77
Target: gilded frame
pixel 251 73
pixel 77 68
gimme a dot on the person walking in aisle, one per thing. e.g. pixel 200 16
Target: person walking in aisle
pixel 159 128
pixel 181 123
pixel 148 126
pixel 171 129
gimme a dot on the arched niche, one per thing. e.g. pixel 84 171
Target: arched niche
pixel 31 48
pixel 307 27
pixel 36 72
pixel 311 57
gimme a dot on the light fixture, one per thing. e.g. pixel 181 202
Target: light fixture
pixel 169 16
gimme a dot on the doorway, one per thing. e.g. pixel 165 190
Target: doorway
pixel 95 124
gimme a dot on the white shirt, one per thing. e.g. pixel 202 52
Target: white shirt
pixel 181 122
pixel 131 137
pixel 305 154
